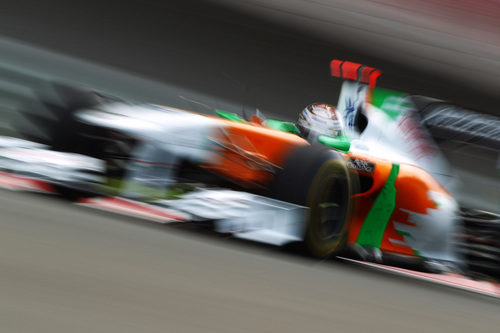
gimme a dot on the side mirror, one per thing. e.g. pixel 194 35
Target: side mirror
pixel 283 126
pixel 341 143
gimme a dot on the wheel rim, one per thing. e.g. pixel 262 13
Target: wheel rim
pixel 330 210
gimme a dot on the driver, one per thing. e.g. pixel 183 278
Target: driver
pixel 319 119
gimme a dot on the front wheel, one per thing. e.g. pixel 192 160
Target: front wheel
pixel 317 177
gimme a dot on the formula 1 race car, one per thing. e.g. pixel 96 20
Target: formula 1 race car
pixel 381 186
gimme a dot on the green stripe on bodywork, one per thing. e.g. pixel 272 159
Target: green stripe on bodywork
pixel 373 228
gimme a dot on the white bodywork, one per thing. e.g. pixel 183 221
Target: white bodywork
pixel 432 234
pixel 394 134
pixel 244 215
pixel 166 136
pixel 175 131
pixel 33 159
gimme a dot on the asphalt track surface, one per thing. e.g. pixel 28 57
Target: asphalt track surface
pixel 65 268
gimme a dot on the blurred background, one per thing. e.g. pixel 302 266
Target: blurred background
pixel 271 55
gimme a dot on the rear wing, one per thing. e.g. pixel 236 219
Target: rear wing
pixel 348 70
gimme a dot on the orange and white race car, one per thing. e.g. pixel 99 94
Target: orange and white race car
pixel 368 178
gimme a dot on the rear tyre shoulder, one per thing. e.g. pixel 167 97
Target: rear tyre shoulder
pixel 317 177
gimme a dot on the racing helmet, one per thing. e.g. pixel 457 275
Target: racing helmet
pixel 319 119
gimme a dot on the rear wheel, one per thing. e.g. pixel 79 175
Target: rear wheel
pixel 317 177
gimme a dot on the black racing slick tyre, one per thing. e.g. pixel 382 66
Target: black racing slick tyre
pixel 317 177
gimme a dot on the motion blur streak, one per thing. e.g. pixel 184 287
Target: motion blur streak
pixel 458 39
pixel 260 61
pixel 68 269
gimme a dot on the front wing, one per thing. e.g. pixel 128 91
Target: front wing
pixel 26 165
